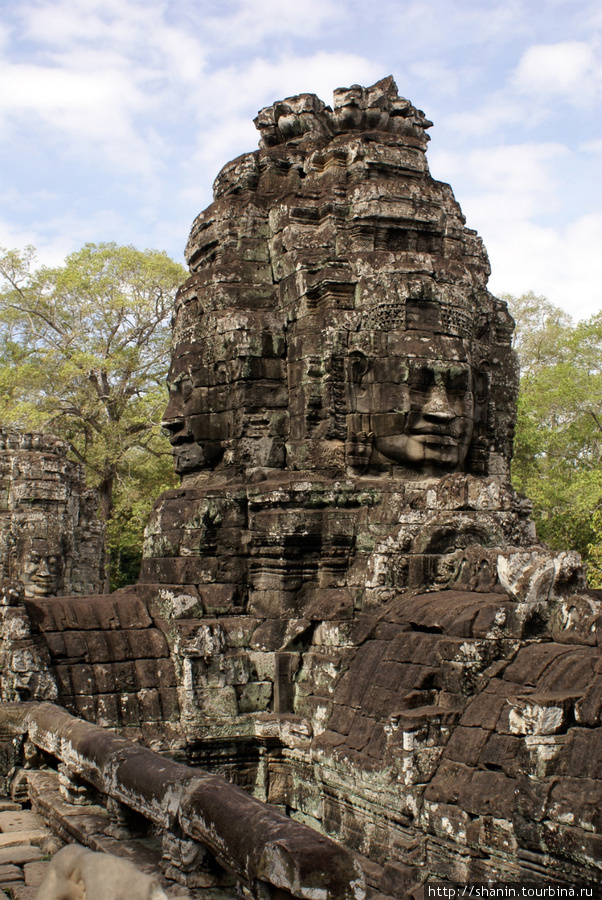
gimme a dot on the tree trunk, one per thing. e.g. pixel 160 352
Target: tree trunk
pixel 105 509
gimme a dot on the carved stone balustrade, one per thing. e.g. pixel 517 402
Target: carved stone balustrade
pixel 271 855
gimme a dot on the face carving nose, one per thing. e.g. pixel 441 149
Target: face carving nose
pixel 43 570
pixel 437 405
pixel 177 427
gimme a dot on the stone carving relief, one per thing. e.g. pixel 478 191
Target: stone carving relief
pixel 36 561
pixel 423 417
pixel 332 321
pixel 50 538
pixel 50 543
pixel 337 325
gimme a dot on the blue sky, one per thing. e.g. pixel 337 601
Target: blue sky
pixel 116 115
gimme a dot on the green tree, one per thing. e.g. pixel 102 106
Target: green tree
pixel 85 351
pixel 558 441
pixel 540 331
pixel 136 490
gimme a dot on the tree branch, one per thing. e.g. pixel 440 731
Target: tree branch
pixel 596 420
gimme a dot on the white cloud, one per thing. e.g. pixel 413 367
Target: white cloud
pixel 546 77
pixel 504 182
pixel 96 78
pixel 4 35
pixel 499 110
pixel 88 111
pixel 570 69
pixel 133 30
pixel 58 234
pixel 436 24
pixel 443 78
pixel 593 147
pixel 564 264
pixel 50 249
pixel 102 76
pixel 252 21
pixel 515 197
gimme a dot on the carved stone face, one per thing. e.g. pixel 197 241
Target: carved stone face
pixel 420 401
pixel 40 568
pixel 187 421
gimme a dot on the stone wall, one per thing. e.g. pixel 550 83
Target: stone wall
pixel 111 664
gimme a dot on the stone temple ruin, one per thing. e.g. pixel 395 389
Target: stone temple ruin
pixel 344 608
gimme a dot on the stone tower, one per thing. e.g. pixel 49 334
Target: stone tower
pixel 51 543
pixel 329 259
pixel 336 349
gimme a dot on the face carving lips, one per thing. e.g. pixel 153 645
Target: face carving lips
pixel 437 437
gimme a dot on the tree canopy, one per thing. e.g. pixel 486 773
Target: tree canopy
pixel 85 351
pixel 558 443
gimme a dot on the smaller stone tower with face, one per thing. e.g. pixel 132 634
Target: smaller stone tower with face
pixel 50 538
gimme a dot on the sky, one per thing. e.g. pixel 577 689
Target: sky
pixel 116 116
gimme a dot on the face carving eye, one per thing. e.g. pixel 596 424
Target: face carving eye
pixel 186 387
pixel 181 387
pixel 421 377
pixel 458 381
pixel 455 379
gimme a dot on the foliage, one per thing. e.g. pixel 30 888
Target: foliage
pixel 136 491
pixel 558 441
pixel 85 351
pixel 540 328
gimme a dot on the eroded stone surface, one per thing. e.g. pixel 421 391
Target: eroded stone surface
pixel 50 543
pixel 50 538
pixel 342 406
pixel 344 607
pixel 337 315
